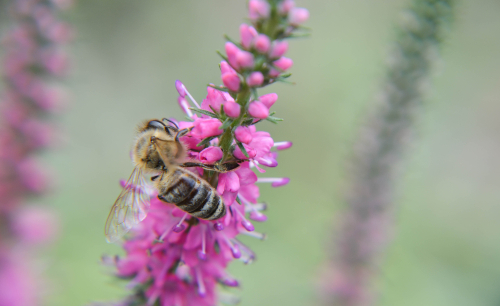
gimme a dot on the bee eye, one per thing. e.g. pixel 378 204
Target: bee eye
pixel 155 124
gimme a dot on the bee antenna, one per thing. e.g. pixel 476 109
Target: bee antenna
pixel 175 124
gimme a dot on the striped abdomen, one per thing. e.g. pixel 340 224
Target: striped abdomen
pixel 191 194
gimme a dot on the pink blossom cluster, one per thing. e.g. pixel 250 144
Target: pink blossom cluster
pixel 173 258
pixel 33 59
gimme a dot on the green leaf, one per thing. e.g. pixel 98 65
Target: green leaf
pixel 285 76
pixel 224 89
pixel 254 94
pixel 204 112
pixel 226 37
pixel 238 200
pixel 242 148
pixel 206 141
pixel 247 122
pixel 223 56
pixel 274 120
pixel 226 124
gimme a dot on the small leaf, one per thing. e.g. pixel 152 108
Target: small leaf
pixel 226 37
pixel 285 76
pixel 238 200
pixel 247 122
pixel 206 141
pixel 274 120
pixel 254 94
pixel 243 150
pixel 227 123
pixel 224 89
pixel 223 56
pixel 204 112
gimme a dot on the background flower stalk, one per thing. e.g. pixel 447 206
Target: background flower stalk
pixel 367 220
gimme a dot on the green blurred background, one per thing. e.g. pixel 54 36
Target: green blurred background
pixel 446 248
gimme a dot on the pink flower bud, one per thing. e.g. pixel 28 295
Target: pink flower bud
pixel 257 109
pixel 247 33
pixel 298 16
pixel 286 6
pixel 262 43
pixel 226 68
pixel 210 155
pixel 180 88
pixel 231 81
pixel 255 79
pixel 243 134
pixel 232 50
pixel 269 99
pixel 258 9
pixel 244 59
pixel 283 63
pixel 232 109
pixel 278 49
pixel 204 128
pixel 239 154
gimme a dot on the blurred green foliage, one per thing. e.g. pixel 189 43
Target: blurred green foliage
pixel 127 55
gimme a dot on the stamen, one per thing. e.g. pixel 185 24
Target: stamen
pixel 201 286
pixel 246 224
pixel 184 104
pixel 248 255
pixel 234 248
pixel 202 253
pixel 283 145
pixel 275 181
pixel 179 227
pixel 257 235
pixel 229 281
pixel 254 163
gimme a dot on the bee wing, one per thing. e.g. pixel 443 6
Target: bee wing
pixel 130 208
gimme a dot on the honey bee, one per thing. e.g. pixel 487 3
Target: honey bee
pixel 158 150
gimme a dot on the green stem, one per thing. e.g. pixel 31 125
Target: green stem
pixel 226 139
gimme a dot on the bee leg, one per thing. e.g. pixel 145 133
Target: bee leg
pixel 153 178
pixel 222 168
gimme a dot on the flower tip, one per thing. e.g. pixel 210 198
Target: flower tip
pixel 202 255
pixel 248 225
pixel 281 182
pixel 218 226
pixel 256 78
pixel 284 145
pixel 258 110
pixel 180 88
pixel 236 251
pixel 257 216
pixel 178 228
pixel 231 282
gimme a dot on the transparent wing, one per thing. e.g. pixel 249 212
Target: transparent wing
pixel 130 208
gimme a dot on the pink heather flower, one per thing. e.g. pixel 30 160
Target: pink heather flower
pixel 210 155
pixel 285 6
pixel 247 33
pixel 269 99
pixel 258 9
pixel 232 109
pixel 35 225
pixel 204 128
pixel 231 81
pixel 262 43
pixel 244 59
pixel 298 16
pixel 243 134
pixel 255 78
pixel 257 109
pixel 278 49
pixel 232 50
pixel 215 99
pixel 274 73
pixel 283 63
pixel 226 68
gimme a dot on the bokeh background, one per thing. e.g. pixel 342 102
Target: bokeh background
pixel 446 246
